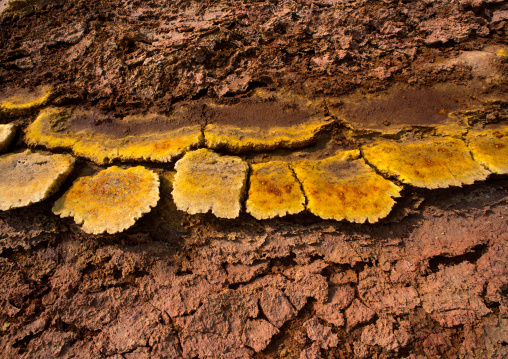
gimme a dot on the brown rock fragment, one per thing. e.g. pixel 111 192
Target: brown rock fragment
pixel 382 294
pixel 321 334
pixel 382 333
pixel 313 352
pixel 358 313
pixel 218 325
pixel 452 296
pixel 307 286
pixel 257 334
pixel 332 311
pixel 276 307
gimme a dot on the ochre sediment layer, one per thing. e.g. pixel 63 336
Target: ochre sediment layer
pixel 7 133
pixel 345 187
pixel 23 101
pixel 87 136
pixel 430 163
pixel 274 191
pixel 28 177
pixel 205 181
pixel 490 148
pixel 110 201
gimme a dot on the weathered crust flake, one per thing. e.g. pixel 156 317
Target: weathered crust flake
pixel 431 163
pixel 205 181
pixel 344 187
pixel 27 177
pixel 274 191
pixel 490 148
pixel 56 128
pixel 110 201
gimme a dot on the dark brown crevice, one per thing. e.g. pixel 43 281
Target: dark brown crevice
pixel 437 263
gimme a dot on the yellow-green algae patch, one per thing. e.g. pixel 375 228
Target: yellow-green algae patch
pixel 7 133
pixel 23 101
pixel 490 148
pixel 345 187
pixel 110 201
pixel 265 121
pixel 28 177
pixel 274 191
pixel 205 181
pixel 429 163
pixel 94 136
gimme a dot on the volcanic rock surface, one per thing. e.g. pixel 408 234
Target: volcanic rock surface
pixel 288 81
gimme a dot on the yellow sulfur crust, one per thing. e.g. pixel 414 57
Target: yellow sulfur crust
pixel 28 177
pixel 344 187
pixel 51 129
pixel 205 181
pixel 254 138
pixel 490 149
pixel 110 201
pixel 25 102
pixel 7 133
pixel 274 191
pixel 431 163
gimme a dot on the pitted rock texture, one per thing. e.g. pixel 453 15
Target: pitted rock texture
pixel 430 163
pixel 7 133
pixel 205 181
pixel 93 135
pixel 111 200
pixel 344 187
pixel 27 177
pixel 274 191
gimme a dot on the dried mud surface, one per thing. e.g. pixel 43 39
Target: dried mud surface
pixel 429 281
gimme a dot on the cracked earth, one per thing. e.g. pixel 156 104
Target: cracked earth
pixel 428 281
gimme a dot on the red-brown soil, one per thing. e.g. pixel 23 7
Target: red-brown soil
pixel 429 281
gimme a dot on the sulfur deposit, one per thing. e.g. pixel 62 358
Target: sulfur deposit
pixel 7 133
pixel 490 148
pixel 430 163
pixel 274 191
pixel 110 201
pixel 205 181
pixel 28 177
pixel 345 187
pixel 265 121
pixel 24 101
pixel 95 136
